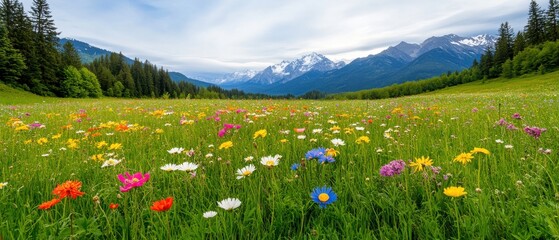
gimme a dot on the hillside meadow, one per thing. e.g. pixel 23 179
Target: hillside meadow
pixel 461 163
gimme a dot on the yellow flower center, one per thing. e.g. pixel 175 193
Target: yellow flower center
pixel 270 163
pixel 246 173
pixel 135 180
pixel 323 197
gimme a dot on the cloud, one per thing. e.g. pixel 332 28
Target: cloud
pixel 229 35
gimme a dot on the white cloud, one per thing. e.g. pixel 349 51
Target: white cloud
pixel 228 35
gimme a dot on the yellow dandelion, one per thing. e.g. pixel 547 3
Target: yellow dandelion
pixel 480 150
pixel 57 136
pixel 42 141
pixel 159 131
pixel 454 191
pixel 284 140
pixel 72 143
pixel 27 141
pixel 226 145
pixel 363 139
pixel 97 157
pixel 260 133
pixel 22 128
pixel 332 152
pixel 115 146
pixel 335 128
pixel 420 163
pixel 101 144
pixel 464 158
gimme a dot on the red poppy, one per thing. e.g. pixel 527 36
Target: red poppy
pixel 162 205
pixel 69 188
pixel 113 206
pixel 48 204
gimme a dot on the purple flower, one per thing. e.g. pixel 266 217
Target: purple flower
pixel 474 110
pixel 535 132
pixel 516 116
pixel 295 166
pixel 392 168
pixel 511 126
pixel 501 122
pixel 132 181
pixel 326 159
pixel 36 125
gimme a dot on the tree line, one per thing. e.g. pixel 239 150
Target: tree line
pixel 534 49
pixel 31 59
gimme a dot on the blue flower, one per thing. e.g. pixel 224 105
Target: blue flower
pixel 323 196
pixel 295 166
pixel 326 159
pixel 315 153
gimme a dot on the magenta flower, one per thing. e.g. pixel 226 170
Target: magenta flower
pixel 132 181
pixel 392 168
pixel 221 132
pixel 516 116
pixel 535 132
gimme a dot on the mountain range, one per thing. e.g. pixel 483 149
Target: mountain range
pixel 397 64
pixel 88 53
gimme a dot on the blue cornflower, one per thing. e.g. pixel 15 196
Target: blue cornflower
pixel 315 153
pixel 295 166
pixel 326 159
pixel 323 196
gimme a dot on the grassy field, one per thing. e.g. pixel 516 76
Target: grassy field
pixel 482 137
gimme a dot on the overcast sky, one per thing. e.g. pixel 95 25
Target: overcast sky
pixel 193 36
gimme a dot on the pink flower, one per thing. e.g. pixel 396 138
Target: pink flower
pixel 221 132
pixel 227 126
pixel 132 181
pixel 299 130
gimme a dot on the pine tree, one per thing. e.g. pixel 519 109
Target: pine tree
pixel 70 56
pixel 535 33
pixel 519 43
pixel 504 46
pixel 46 40
pixel 11 61
pixel 20 33
pixel 551 21
pixel 486 63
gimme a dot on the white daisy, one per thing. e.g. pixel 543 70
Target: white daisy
pixel 337 142
pixel 169 167
pixel 359 128
pixel 209 155
pixel 175 150
pixel 246 171
pixel 210 214
pixel 111 162
pixel 301 137
pixel 499 141
pixel 316 131
pixel 249 159
pixel 508 146
pixel 229 203
pixel 187 166
pixel 270 161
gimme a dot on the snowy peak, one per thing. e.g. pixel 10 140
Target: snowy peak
pixel 287 70
pixel 236 77
pixel 451 42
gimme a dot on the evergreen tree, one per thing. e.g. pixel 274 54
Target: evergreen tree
pixel 11 61
pixel 70 56
pixel 519 43
pixel 535 33
pixel 20 33
pixel 486 63
pixel 46 40
pixel 551 21
pixel 504 46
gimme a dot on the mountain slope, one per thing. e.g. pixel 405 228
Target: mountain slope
pixel 179 77
pixel 397 64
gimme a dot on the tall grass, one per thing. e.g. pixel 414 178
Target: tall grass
pixel 511 193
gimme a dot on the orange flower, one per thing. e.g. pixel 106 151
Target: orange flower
pixel 162 205
pixel 69 188
pixel 113 206
pixel 121 128
pixel 48 204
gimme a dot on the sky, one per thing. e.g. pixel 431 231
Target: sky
pixel 197 37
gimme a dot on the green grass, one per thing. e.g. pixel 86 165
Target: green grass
pixel 534 83
pixel 511 193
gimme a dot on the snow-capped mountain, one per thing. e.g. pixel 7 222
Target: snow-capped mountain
pixel 236 77
pixel 287 70
pixel 471 46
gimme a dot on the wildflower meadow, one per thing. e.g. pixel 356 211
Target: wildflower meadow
pixel 460 166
